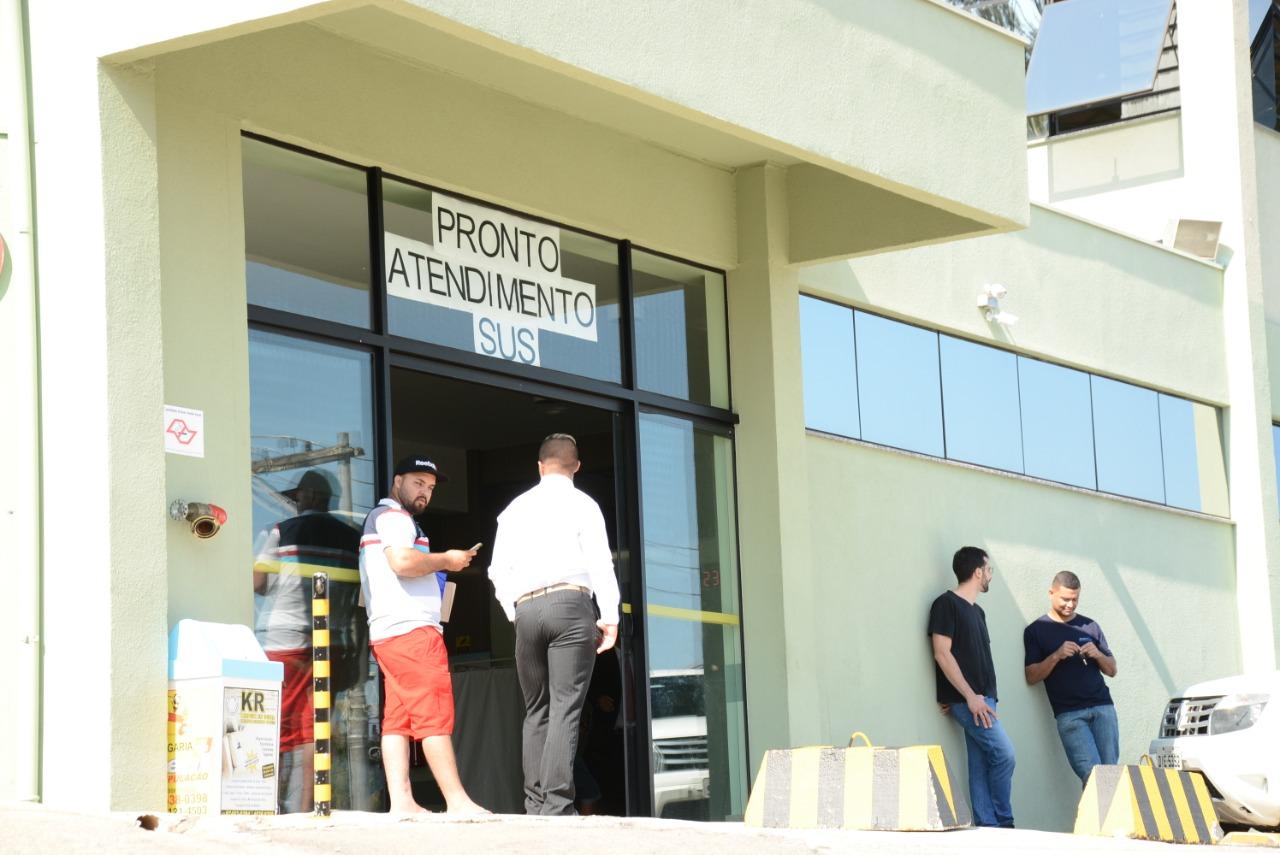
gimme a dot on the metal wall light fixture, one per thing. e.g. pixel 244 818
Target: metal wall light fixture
pixel 989 301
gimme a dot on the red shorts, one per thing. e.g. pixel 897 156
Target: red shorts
pixel 419 688
pixel 296 716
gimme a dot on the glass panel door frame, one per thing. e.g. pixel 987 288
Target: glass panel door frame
pixel 627 415
pixel 624 400
pixel 642 783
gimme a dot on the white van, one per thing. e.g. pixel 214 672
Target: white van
pixel 1228 729
pixel 681 777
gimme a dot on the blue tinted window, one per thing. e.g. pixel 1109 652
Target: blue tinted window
pixel 898 390
pixel 681 338
pixel 306 234
pixel 980 404
pixel 1126 421
pixel 830 383
pixel 1057 429
pixel 1095 50
pixel 1275 444
pixel 891 383
pixel 1178 445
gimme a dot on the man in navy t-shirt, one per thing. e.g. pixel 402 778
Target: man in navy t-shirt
pixel 1070 654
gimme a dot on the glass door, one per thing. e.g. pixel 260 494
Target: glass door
pixel 692 620
pixel 313 476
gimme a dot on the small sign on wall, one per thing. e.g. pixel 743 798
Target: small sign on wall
pixel 183 431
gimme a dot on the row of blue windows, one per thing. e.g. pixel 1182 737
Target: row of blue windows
pixel 895 384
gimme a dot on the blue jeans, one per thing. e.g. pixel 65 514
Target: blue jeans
pixel 990 754
pixel 1090 736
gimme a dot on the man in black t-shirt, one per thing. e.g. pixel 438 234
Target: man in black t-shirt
pixel 1070 654
pixel 966 686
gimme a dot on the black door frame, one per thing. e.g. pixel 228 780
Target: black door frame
pixel 632 648
pixel 624 399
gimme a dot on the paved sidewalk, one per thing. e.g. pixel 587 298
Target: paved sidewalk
pixel 36 829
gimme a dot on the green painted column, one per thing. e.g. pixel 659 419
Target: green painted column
pixel 783 703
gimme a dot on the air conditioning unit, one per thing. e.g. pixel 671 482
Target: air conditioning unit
pixel 1194 237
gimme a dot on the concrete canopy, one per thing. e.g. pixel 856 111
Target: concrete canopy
pixel 897 127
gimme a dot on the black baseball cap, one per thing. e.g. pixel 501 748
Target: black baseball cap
pixel 317 481
pixel 419 463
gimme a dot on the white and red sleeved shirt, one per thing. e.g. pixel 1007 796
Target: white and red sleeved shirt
pixel 395 604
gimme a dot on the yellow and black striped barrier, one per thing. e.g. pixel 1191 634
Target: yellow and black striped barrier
pixel 321 696
pixel 1147 803
pixel 864 787
pixel 1252 837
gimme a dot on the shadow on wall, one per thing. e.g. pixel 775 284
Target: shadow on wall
pixel 1124 158
pixel 884 528
pixel 840 282
pixel 1129 604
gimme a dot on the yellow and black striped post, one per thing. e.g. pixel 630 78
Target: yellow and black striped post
pixel 322 697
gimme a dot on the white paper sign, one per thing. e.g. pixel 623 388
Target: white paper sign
pixel 183 431
pixel 501 338
pixel 503 269
pixel 251 734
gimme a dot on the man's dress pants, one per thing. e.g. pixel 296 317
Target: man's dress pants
pixel 556 641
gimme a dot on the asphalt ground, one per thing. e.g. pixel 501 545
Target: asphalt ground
pixel 26 828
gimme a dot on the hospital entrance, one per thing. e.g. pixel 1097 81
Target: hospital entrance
pixel 365 346
pixel 485 439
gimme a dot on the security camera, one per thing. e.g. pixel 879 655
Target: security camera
pixel 1007 319
pixel 996 290
pixel 206 520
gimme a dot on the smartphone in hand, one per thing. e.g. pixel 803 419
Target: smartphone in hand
pixel 473 550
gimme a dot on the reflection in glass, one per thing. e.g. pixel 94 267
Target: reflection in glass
pixel 1126 427
pixel 406 211
pixel 1195 475
pixel 1178 447
pixel 311 421
pixel 1263 56
pixel 306 234
pixel 693 627
pixel 1275 444
pixel 682 346
pixel 590 259
pixel 1093 50
pixel 830 381
pixel 899 399
pixel 980 404
pixel 1057 423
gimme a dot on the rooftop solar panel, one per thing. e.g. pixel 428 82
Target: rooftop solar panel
pixel 1095 50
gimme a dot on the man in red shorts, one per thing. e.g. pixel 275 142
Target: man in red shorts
pixel 402 582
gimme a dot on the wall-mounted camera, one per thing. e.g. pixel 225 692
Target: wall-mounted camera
pixel 205 519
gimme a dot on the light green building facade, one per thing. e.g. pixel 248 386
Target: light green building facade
pixel 870 154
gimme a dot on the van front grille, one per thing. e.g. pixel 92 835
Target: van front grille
pixel 1187 717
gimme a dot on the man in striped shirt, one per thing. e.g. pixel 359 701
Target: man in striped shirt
pixel 402 582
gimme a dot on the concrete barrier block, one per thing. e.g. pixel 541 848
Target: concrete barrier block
pixel 885 789
pixel 1146 803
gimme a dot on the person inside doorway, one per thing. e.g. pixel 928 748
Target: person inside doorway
pixel 550 557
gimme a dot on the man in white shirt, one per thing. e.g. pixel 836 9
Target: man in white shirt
pixel 550 556
pixel 402 580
